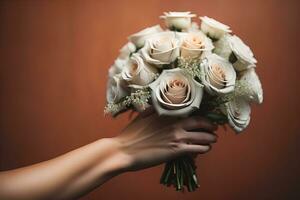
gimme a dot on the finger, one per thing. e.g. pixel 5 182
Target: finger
pixel 197 122
pixel 195 148
pixel 199 138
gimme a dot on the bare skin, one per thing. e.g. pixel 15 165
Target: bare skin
pixel 147 141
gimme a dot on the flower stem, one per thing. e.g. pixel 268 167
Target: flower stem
pixel 181 174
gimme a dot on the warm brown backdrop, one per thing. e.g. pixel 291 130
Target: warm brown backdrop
pixel 54 57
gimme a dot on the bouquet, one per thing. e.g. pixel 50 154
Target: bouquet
pixel 184 70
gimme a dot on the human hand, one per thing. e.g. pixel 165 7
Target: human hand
pixel 145 142
pixel 151 140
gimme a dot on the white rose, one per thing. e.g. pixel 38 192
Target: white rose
pixel 238 113
pixel 253 85
pixel 222 47
pixel 115 89
pixel 117 67
pixel 163 48
pixel 137 72
pixel 213 28
pixel 175 93
pixel 178 20
pixel 218 75
pixel 194 44
pixel 126 50
pixel 236 51
pixel 193 28
pixel 139 38
pixel 244 55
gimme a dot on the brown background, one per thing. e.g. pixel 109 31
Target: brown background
pixel 54 58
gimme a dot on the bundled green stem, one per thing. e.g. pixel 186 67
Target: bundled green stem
pixel 180 173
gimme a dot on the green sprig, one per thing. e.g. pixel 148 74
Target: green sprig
pixel 139 97
pixel 191 66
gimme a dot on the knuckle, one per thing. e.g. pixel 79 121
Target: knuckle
pixel 171 130
pixel 178 136
pixel 176 133
pixel 181 147
pixel 175 146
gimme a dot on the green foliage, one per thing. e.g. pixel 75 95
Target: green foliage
pixel 173 28
pixel 232 58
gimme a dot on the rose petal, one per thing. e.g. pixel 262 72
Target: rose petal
pixel 211 79
pixel 164 105
pixel 159 54
pixel 138 72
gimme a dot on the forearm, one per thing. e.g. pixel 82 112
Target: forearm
pixel 144 143
pixel 68 176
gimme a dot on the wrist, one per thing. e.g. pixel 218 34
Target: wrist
pixel 118 160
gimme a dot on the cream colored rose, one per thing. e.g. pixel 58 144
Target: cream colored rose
pixel 244 55
pixel 137 72
pixel 178 20
pixel 162 48
pixel 194 44
pixel 115 89
pixel 193 28
pixel 127 50
pixel 252 85
pixel 218 75
pixel 238 113
pixel 139 38
pixel 222 47
pixel 213 28
pixel 175 93
pixel 117 67
pixel 236 51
